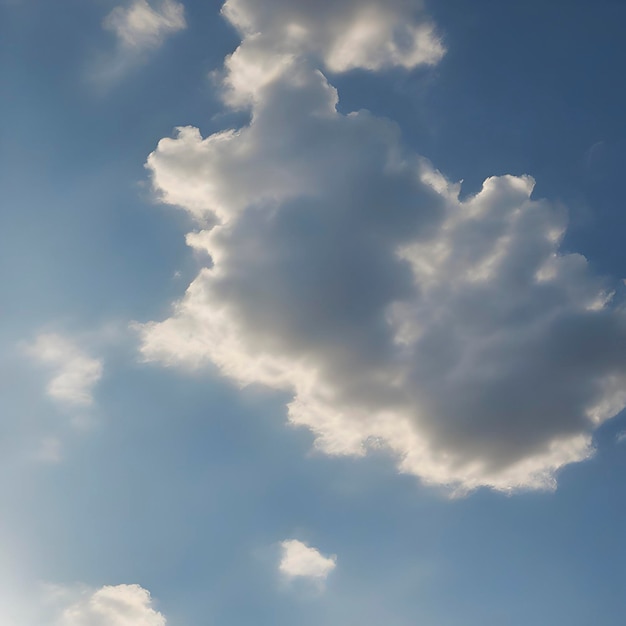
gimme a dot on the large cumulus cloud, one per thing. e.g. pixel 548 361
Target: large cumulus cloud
pixel 346 270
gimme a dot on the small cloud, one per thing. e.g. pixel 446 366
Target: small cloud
pixel 621 437
pixel 120 605
pixel 73 372
pixel 142 25
pixel 301 561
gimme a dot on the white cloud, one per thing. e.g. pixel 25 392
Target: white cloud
pixel 301 561
pixel 121 605
pixel 73 372
pixel 340 35
pixel 144 24
pixel 347 271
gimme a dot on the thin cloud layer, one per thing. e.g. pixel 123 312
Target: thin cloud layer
pixel 121 605
pixel 347 272
pixel 144 24
pixel 74 373
pixel 301 561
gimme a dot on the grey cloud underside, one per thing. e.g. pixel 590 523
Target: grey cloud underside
pixel 346 270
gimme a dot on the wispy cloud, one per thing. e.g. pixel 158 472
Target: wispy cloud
pixel 49 450
pixel 73 372
pixel 143 25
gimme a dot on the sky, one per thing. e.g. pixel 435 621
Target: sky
pixel 312 313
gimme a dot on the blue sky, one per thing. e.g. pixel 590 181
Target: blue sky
pixel 281 366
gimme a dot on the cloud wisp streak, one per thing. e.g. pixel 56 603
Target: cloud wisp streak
pixel 347 271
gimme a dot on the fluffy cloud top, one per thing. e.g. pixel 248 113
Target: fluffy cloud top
pixel 145 24
pixel 74 373
pixel 347 271
pixel 301 561
pixel 340 35
pixel 121 605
